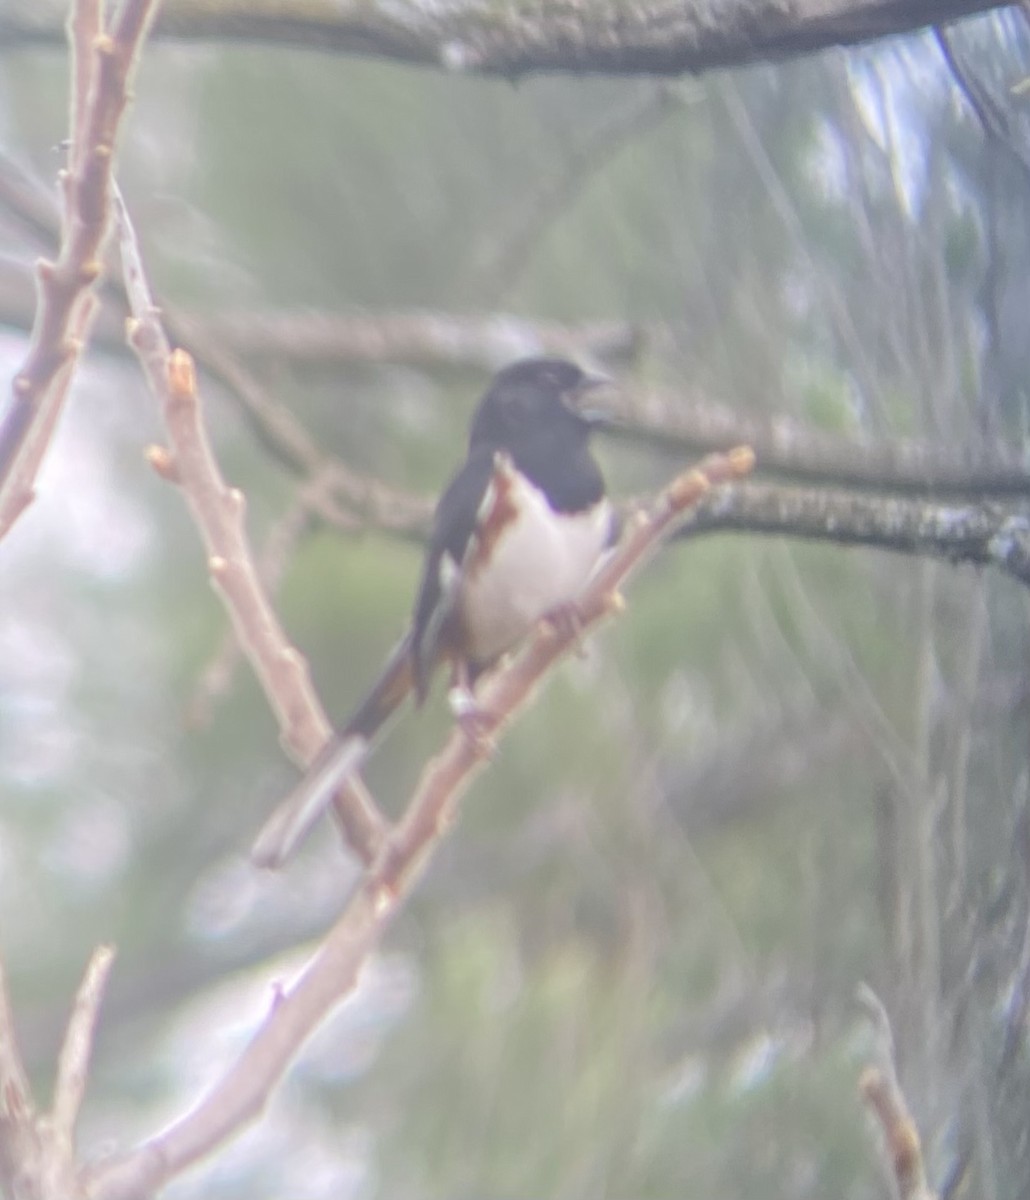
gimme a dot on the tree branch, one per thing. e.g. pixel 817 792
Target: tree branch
pixel 218 511
pixel 655 37
pixel 795 450
pixel 420 338
pixel 18 1142
pixel 241 1095
pixel 103 64
pixel 37 1151
pixel 983 534
pixel 327 341
pixel 681 422
pixel 880 1089
pixel 73 1070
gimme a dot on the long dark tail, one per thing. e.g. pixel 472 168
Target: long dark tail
pixel 341 757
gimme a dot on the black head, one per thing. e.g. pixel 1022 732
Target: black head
pixel 535 397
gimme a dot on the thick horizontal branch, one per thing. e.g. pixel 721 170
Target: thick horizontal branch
pixel 654 37
pixel 995 535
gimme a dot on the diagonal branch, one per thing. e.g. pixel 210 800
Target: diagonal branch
pixel 243 1092
pixel 880 1089
pixel 218 511
pixel 58 1163
pixel 73 1063
pixel 66 287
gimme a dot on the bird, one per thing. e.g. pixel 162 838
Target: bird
pixel 515 536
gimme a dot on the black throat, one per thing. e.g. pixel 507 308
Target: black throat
pixel 563 468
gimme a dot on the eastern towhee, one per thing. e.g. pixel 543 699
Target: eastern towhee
pixel 516 534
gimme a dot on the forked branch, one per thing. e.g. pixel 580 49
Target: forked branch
pixel 37 1150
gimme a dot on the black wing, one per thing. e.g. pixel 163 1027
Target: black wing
pixel 453 524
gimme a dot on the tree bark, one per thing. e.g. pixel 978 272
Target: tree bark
pixel 653 37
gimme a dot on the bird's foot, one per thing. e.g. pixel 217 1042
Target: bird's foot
pixel 472 719
pixel 566 621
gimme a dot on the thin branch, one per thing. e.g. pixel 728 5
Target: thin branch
pixel 881 1091
pixel 323 340
pixel 17 1108
pixel 423 338
pixel 243 1092
pixel 65 287
pixel 653 37
pixel 218 511
pixel 795 450
pixel 37 1151
pixel 73 1062
pixel 985 534
pixel 57 1167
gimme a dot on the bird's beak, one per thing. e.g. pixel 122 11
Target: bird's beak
pixel 591 398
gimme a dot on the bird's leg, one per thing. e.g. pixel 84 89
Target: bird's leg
pixel 473 720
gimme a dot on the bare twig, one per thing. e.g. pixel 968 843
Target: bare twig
pixel 881 1091
pixel 241 1095
pixel 218 511
pixel 73 1063
pixel 65 287
pixel 18 1140
pixel 58 1162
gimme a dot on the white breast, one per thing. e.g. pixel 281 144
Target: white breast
pixel 542 560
